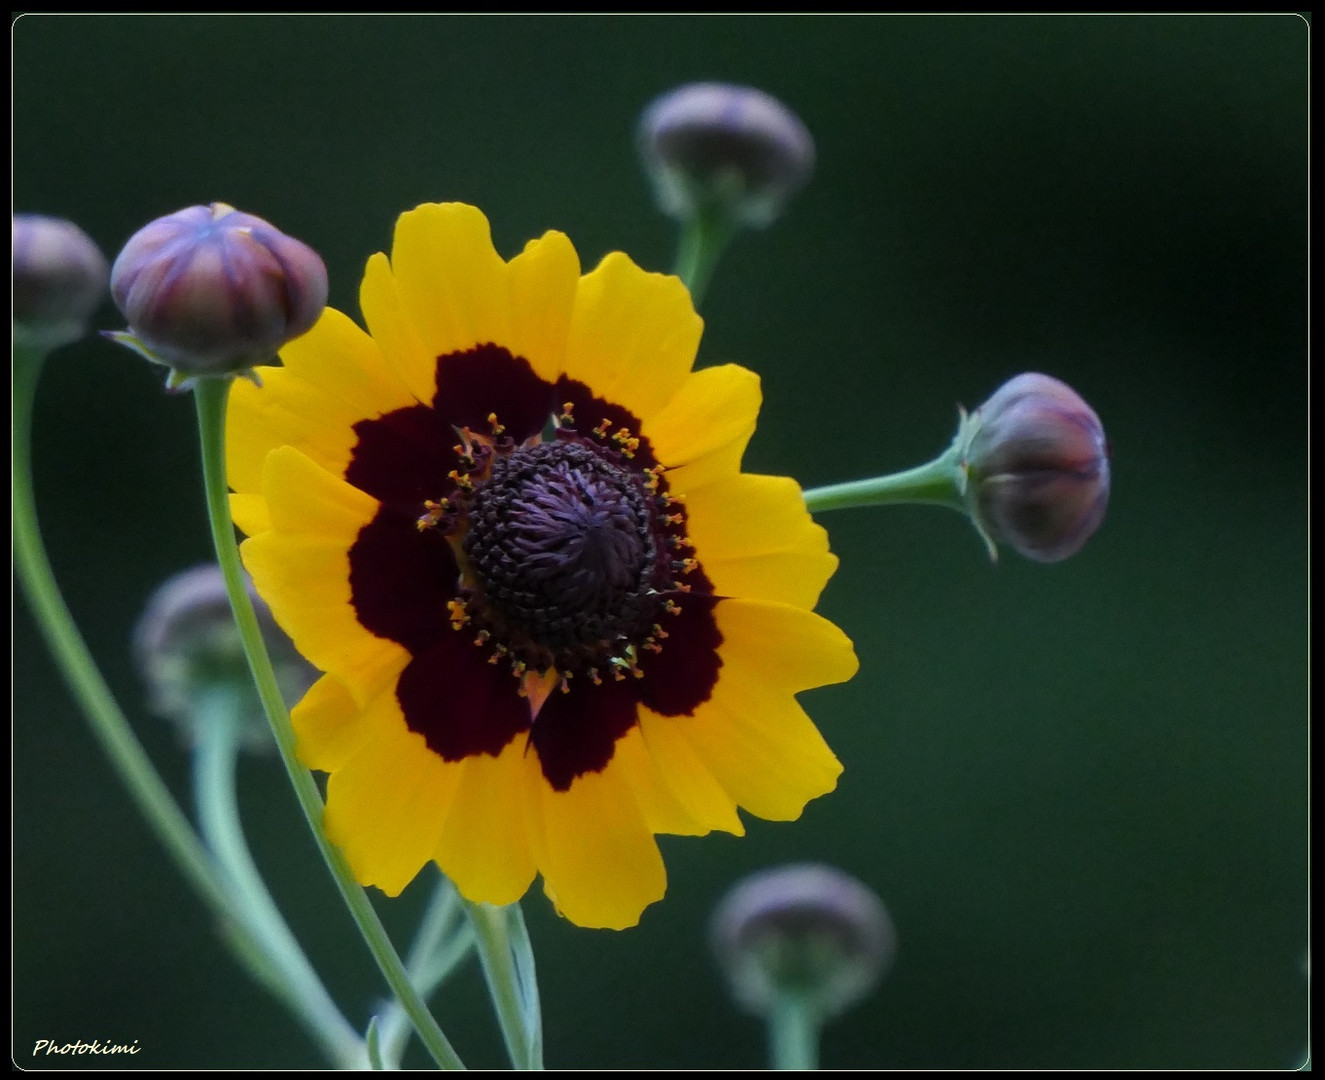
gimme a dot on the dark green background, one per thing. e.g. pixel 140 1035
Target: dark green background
pixel 1081 789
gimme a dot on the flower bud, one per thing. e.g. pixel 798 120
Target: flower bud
pixel 1037 466
pixel 805 930
pixel 211 291
pixel 187 644
pixel 733 149
pixel 59 279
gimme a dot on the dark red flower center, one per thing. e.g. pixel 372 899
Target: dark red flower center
pixel 541 581
pixel 562 547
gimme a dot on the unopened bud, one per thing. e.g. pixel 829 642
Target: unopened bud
pixel 59 279
pixel 1037 467
pixel 187 644
pixel 211 291
pixel 804 930
pixel 731 149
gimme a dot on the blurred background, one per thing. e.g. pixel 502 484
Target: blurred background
pixel 1080 789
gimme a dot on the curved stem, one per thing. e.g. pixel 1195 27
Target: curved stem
pixel 211 396
pixel 218 726
pixel 80 671
pixel 508 967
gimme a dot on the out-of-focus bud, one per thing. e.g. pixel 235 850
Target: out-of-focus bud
pixel 59 279
pixel 804 930
pixel 187 645
pixel 712 147
pixel 211 291
pixel 1037 467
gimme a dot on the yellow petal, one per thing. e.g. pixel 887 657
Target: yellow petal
pixel 452 283
pixel 386 805
pixel 394 330
pixel 334 376
pixel 599 861
pixel 543 281
pixel 787 646
pixel 662 810
pixel 484 846
pixel 754 538
pixel 329 725
pixel 687 776
pixel 633 335
pixel 702 432
pixel 760 746
pixel 751 734
pixel 249 513
pixel 301 568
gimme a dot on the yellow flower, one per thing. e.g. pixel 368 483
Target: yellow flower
pixel 509 524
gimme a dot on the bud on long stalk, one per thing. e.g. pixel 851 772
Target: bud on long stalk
pixel 211 291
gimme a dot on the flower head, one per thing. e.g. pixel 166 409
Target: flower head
pixel 730 148
pixel 59 279
pixel 509 523
pixel 211 291
pixel 1037 466
pixel 805 930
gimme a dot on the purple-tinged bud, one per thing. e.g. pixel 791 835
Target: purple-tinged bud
pixel 211 291
pixel 712 147
pixel 59 279
pixel 1037 467
pixel 804 930
pixel 187 645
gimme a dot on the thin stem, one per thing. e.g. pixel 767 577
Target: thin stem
pixel 793 1032
pixel 941 482
pixel 442 940
pixel 704 237
pixel 211 396
pixel 508 967
pixel 107 721
pixel 218 724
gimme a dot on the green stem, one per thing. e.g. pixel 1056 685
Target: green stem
pixel 442 940
pixel 218 724
pixel 793 1032
pixel 75 662
pixel 941 482
pixel 211 396
pixel 704 237
pixel 508 967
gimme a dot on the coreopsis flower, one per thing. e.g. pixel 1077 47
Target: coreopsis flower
pixel 210 291
pixel 555 617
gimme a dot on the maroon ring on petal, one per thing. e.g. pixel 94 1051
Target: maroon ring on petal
pixel 458 702
pixel 401 579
